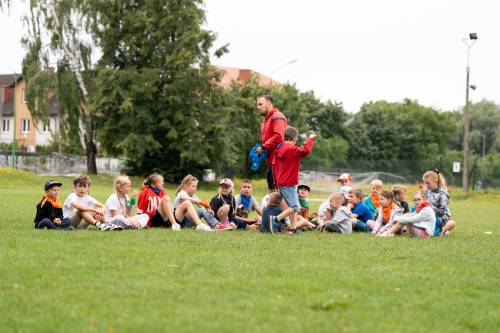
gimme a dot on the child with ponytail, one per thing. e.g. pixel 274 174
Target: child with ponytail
pixel 436 191
pixel 385 214
pixel 185 211
pixel 156 203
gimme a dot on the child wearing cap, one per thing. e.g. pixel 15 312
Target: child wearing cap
pixel 49 213
pixel 303 192
pixel 286 169
pixel 82 209
pixel 345 181
pixel 223 205
pixel 245 204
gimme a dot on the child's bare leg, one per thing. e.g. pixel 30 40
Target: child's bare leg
pixel 395 229
pixel 166 209
pixel 448 227
pixel 88 217
pixel 287 212
pixel 223 213
pixel 187 208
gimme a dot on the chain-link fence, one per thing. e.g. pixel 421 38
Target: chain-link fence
pixel 59 164
pixel 481 172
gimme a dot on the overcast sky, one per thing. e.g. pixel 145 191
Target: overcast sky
pixel 349 51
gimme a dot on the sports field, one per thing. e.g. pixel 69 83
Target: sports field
pixel 158 280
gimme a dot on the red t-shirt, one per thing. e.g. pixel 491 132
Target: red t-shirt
pixel 148 202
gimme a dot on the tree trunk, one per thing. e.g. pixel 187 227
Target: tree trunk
pixel 90 152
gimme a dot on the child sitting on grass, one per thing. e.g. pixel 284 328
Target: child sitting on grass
pixel 420 223
pixel 245 204
pixel 286 170
pixel 340 221
pixel 399 192
pixel 386 212
pixel 154 202
pixel 345 181
pixel 439 199
pixel 81 209
pixel 373 201
pixel 303 193
pixel 273 209
pixel 223 204
pixel 360 214
pixel 49 213
pixel 119 206
pixel 186 213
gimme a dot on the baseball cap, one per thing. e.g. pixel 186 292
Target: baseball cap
pixel 345 176
pixel 304 186
pixel 227 181
pixel 50 184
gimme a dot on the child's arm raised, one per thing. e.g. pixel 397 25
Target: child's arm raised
pixel 306 148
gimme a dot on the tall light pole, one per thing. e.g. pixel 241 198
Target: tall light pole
pixel 465 178
pixel 14 141
pixel 280 68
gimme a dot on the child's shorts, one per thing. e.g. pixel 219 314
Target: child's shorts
pixel 78 222
pixel 418 232
pixel 289 193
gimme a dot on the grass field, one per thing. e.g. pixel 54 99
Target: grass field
pixel 158 280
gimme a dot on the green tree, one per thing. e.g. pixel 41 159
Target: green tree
pixel 56 34
pixel 484 121
pixel 156 98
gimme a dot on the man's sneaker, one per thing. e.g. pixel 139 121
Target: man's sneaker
pixel 203 227
pixel 273 222
pixel 293 231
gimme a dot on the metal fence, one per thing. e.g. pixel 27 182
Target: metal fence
pixel 56 164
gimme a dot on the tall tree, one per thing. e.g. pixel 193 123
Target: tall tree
pixel 57 35
pixel 156 100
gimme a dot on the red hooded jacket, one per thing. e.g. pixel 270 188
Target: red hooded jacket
pixel 273 131
pixel 287 162
pixel 148 202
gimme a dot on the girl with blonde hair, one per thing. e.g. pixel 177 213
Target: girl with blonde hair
pixel 119 207
pixel 436 191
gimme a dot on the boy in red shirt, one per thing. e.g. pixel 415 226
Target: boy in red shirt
pixel 286 167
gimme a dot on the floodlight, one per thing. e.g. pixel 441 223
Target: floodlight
pixel 473 36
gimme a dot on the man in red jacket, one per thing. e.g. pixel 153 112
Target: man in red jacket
pixel 286 170
pixel 272 132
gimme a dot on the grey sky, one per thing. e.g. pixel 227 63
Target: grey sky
pixel 350 51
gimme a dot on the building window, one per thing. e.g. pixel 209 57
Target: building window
pixel 25 126
pixel 5 125
pixel 46 126
pixel 24 96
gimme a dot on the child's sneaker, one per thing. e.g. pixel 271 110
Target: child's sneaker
pixel 293 231
pixel 203 227
pixel 273 222
pixel 220 226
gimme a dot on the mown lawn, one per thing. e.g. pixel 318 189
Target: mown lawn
pixel 158 280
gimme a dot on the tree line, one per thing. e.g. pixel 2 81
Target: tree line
pixel 150 94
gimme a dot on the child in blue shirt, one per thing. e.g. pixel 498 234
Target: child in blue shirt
pixel 360 213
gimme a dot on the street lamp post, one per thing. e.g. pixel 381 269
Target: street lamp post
pixel 465 178
pixel 279 68
pixel 14 142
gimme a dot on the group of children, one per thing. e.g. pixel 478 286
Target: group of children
pixel 383 213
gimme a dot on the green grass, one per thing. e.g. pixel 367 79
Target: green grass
pixel 158 280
